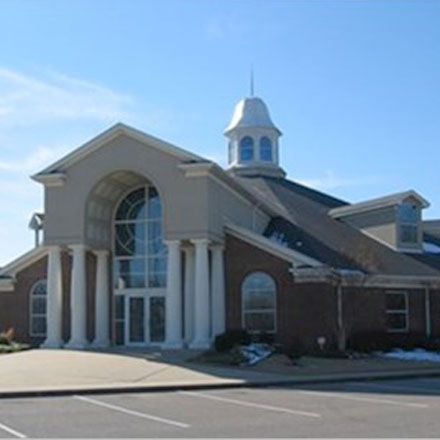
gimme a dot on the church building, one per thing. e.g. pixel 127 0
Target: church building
pixel 143 243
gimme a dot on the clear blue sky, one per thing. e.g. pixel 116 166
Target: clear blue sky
pixel 354 86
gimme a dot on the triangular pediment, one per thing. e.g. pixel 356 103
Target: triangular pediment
pixel 107 136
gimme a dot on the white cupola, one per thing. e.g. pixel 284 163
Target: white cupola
pixel 253 140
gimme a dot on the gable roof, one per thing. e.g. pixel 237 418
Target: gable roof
pixel 106 136
pixel 381 202
pixel 11 269
pixel 335 241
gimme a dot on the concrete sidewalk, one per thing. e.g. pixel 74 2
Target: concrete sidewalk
pixel 63 372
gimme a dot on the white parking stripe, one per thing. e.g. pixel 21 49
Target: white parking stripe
pixel 379 386
pixel 11 431
pixel 338 395
pixel 250 404
pixel 132 413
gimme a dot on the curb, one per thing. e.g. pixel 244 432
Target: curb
pixel 369 376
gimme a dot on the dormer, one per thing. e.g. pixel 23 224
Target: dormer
pixel 253 140
pixel 395 220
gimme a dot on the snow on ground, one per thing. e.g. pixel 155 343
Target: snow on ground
pixel 255 353
pixel 417 354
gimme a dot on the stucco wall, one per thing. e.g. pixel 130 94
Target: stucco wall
pixel 194 207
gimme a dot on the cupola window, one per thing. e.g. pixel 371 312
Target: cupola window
pixel 265 149
pixel 246 149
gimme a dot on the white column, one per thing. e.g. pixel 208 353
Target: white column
pixel 78 304
pixel 54 337
pixel 218 291
pixel 201 295
pixel 173 305
pixel 189 294
pixel 102 298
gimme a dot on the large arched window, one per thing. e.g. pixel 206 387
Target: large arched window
pixel 246 149
pixel 140 253
pixel 265 149
pixel 38 305
pixel 259 303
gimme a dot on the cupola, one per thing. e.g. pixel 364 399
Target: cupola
pixel 253 140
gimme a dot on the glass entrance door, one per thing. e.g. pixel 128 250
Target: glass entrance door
pixel 136 322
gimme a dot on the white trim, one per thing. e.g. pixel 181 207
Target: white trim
pixel 50 180
pixel 108 135
pixel 270 246
pixel 398 311
pixel 382 202
pixel 24 260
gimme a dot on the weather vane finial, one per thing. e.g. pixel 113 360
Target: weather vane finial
pixel 252 80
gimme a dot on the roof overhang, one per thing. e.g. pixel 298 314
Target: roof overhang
pixel 373 204
pixel 10 270
pixel 267 245
pixel 354 278
pixel 53 175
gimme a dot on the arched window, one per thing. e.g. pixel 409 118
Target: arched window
pixel 246 149
pixel 259 303
pixel 140 253
pixel 231 152
pixel 265 149
pixel 38 305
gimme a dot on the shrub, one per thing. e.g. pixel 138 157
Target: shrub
pixel 7 337
pixel 231 338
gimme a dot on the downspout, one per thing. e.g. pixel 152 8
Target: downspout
pixel 340 319
pixel 428 312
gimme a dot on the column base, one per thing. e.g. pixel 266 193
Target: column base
pixel 173 345
pixel 51 344
pixel 200 345
pixel 100 343
pixel 77 345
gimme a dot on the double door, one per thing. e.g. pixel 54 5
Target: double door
pixel 144 322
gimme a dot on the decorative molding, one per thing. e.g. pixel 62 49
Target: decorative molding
pixel 50 180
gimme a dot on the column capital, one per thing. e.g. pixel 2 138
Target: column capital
pixel 217 247
pixel 101 252
pixel 171 243
pixel 76 247
pixel 200 241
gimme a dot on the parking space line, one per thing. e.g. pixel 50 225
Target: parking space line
pixel 131 412
pixel 379 386
pixel 338 395
pixel 250 404
pixel 11 431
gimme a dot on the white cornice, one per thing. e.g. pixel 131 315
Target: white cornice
pixel 106 137
pixel 50 180
pixel 270 246
pixel 7 285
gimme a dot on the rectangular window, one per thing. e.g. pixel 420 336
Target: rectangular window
pixel 119 319
pixel 157 319
pixel 409 219
pixel 396 304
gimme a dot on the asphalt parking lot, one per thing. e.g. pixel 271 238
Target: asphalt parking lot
pixel 398 408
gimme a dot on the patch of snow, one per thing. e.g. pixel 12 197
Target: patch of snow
pixel 255 353
pixel 431 248
pixel 418 354
pixel 279 238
